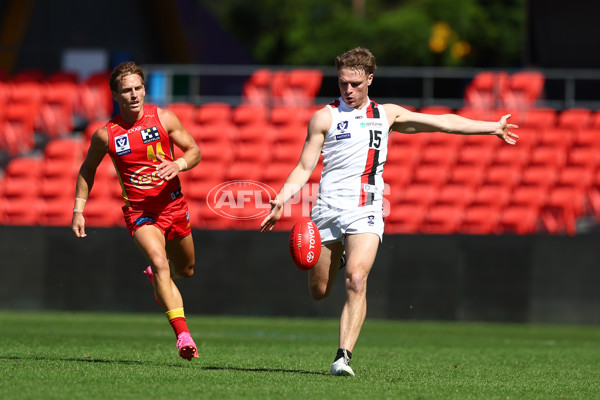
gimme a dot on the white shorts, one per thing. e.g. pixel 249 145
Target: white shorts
pixel 335 223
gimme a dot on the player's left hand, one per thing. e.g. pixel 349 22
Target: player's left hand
pixel 503 130
pixel 166 170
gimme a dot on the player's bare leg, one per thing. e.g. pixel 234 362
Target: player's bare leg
pixel 322 276
pixel 361 250
pixel 152 244
pixel 181 254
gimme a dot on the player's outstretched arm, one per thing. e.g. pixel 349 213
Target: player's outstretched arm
pixel 405 121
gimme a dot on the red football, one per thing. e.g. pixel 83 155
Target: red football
pixel 305 244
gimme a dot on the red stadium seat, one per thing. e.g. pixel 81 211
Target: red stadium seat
pixel 542 176
pixel 257 89
pixel 286 115
pixel 442 219
pixel 23 213
pixel 484 90
pixel 95 98
pixel 23 167
pixel 405 218
pixel 491 196
pixel 56 212
pixel 17 129
pixel 214 113
pixel 575 118
pixel 455 195
pixel 438 155
pixel 581 177
pixel 539 118
pixel 503 175
pixel 562 208
pixel 246 114
pixel 480 219
pixel 423 194
pixel 186 112
pixel 520 220
pixel 397 176
pixel 589 137
pixel 302 87
pixel 529 196
pixel 57 111
pixel 430 174
pixel 523 90
pixel 548 156
pixel 584 157
pixel 476 157
pixel 562 137
pixel 470 176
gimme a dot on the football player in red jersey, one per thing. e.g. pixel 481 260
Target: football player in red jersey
pixel 140 140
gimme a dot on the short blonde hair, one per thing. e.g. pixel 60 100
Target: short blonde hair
pixel 358 58
pixel 122 70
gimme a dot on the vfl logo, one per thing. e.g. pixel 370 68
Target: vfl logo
pixel 122 146
pixel 342 126
pixel 150 135
pixel 371 220
pixel 146 178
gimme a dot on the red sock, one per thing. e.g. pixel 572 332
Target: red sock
pixel 179 325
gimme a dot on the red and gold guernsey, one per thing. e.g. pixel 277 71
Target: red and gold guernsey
pixel 133 149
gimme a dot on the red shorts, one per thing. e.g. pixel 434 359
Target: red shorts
pixel 173 221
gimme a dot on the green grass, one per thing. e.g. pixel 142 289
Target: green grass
pixel 54 355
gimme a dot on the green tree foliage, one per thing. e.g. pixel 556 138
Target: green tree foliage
pixel 482 33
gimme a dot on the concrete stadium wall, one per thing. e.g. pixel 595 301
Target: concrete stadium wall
pixel 534 279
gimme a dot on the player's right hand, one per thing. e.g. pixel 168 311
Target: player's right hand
pixel 271 219
pixel 78 225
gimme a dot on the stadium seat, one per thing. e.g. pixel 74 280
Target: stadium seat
pixel 423 194
pixel 397 176
pixel 185 111
pixel 475 157
pixel 64 149
pixel 213 113
pixel 523 89
pixel 589 137
pixel 511 156
pixel 530 196
pixel 302 87
pixel 483 92
pixel 17 129
pixel 405 156
pixel 539 175
pixel 575 118
pixel 95 98
pixel 455 195
pixel 469 176
pixel 56 212
pixel 279 83
pixel 548 156
pixel 20 189
pixel 246 114
pixel 438 155
pixel 434 175
pixel 578 176
pixel 294 135
pixel 503 175
pixel 588 157
pixel 520 220
pixel 480 219
pixel 539 118
pixel 555 136
pixel 57 112
pixel 257 89
pixel 495 196
pixel 286 115
pixel 22 213
pixel 246 170
pixel 23 167
pixel 103 214
pixel 56 188
pixel 442 219
pixel 405 218
pixel 563 206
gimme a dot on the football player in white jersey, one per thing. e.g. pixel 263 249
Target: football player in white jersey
pixel 351 134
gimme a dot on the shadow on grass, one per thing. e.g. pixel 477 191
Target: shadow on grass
pixel 136 362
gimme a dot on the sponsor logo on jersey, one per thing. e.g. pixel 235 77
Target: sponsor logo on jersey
pixel 150 135
pixel 122 146
pixel 371 124
pixel 369 188
pixel 342 136
pixel 146 178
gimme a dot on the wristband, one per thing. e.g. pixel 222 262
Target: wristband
pixel 181 163
pixel 79 203
pixel 77 210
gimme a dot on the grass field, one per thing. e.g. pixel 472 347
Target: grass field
pixel 54 355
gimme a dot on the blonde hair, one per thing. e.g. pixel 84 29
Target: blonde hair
pixel 122 70
pixel 358 58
